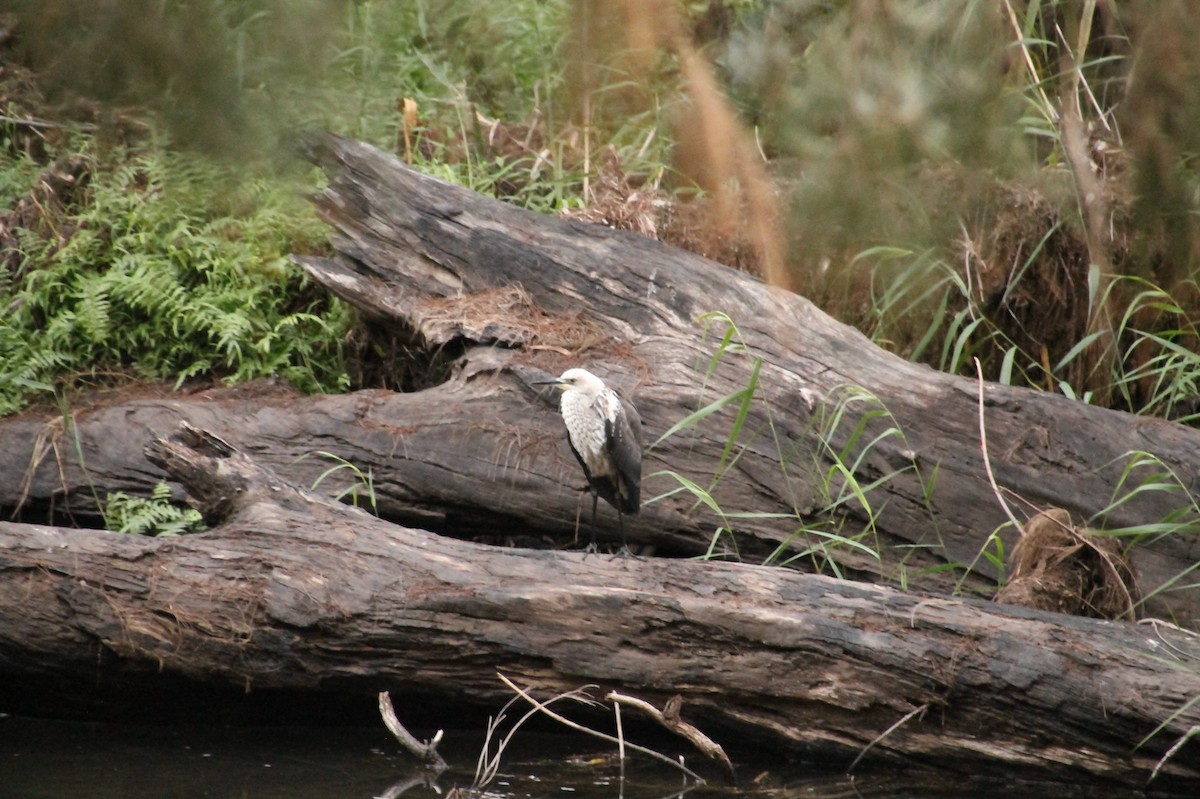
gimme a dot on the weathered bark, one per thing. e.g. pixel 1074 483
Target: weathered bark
pixel 290 590
pixel 482 455
pixel 513 293
pixel 413 248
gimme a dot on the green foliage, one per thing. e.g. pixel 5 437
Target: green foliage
pixel 362 485
pixel 992 551
pixel 931 169
pixel 920 142
pixel 219 76
pixel 173 264
pixel 448 54
pixel 885 112
pixel 1153 368
pixel 1141 474
pixel 171 268
pixel 849 425
pixel 155 516
pixel 492 92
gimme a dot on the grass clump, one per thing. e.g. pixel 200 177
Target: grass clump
pixel 930 310
pixel 1014 181
pixel 832 530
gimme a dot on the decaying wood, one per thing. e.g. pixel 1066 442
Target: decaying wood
pixel 415 249
pixel 425 751
pixel 290 590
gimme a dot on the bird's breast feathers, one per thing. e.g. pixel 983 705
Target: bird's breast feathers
pixel 585 420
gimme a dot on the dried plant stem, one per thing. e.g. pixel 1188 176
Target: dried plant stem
pixel 919 711
pixel 670 718
pixel 987 461
pixel 540 706
pixel 1187 736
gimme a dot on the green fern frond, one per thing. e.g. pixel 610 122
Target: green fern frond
pixel 155 516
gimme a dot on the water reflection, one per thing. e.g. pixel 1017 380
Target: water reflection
pixel 41 758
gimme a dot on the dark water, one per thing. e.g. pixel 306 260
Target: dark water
pixel 70 759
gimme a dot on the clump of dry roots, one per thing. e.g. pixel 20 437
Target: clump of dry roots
pixel 1062 567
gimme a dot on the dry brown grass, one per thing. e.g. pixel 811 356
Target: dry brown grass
pixel 713 148
pixel 1065 568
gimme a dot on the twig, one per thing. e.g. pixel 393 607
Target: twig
pixel 669 717
pixel 916 711
pixel 426 751
pixel 987 462
pixel 41 124
pixel 1156 622
pixel 487 769
pixel 596 733
pixel 620 739
pixel 1179 653
pixel 1187 736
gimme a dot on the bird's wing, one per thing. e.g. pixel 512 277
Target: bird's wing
pixel 587 473
pixel 623 434
pixel 635 422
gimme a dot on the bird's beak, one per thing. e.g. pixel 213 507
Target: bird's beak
pixel 558 381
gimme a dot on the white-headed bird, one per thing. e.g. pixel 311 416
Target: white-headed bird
pixel 605 433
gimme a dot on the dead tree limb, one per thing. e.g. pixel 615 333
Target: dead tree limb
pixel 290 590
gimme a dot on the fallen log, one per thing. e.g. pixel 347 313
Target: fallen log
pixel 480 456
pixel 827 453
pixel 291 590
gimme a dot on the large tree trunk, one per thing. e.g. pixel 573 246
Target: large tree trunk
pixel 505 296
pixel 290 590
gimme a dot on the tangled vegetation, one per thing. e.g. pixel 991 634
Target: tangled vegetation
pixel 1011 181
pixel 158 268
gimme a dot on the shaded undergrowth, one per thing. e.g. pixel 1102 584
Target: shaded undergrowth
pixel 943 197
pixel 159 267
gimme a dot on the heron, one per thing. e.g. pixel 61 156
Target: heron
pixel 605 433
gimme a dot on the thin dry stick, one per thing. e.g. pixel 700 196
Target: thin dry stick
pixel 620 738
pixel 587 51
pixel 1187 736
pixel 1155 623
pixel 596 733
pixel 670 718
pixel 987 463
pixel 920 710
pixel 42 124
pixel 487 769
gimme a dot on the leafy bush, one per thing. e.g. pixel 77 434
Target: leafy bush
pixel 168 268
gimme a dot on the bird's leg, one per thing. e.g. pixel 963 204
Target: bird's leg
pixel 578 518
pixel 591 547
pixel 624 551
